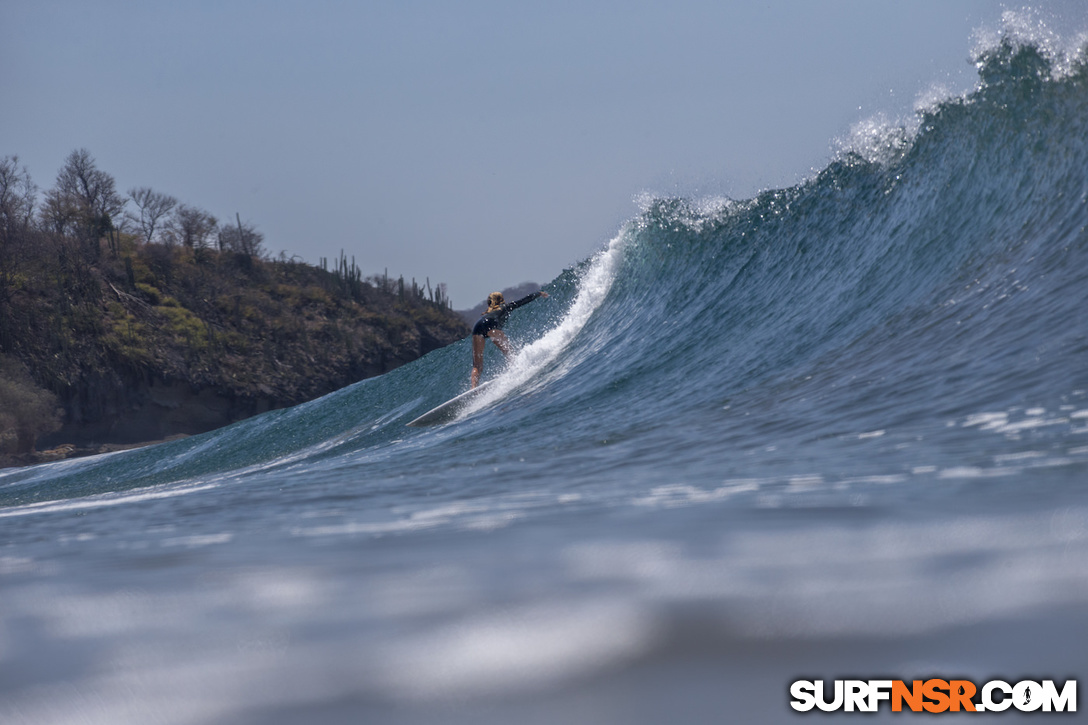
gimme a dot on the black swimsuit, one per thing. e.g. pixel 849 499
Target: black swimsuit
pixel 495 320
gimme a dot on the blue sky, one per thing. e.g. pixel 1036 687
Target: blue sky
pixel 481 144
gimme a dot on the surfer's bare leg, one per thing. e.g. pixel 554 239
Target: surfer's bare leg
pixel 477 358
pixel 499 338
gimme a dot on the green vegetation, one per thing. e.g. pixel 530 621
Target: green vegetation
pixel 99 308
pixel 26 411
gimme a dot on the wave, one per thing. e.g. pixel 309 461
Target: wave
pixel 935 271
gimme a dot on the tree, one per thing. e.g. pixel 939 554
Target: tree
pixel 93 188
pixel 241 239
pixel 59 213
pixel 152 207
pixel 17 196
pixel 84 200
pixel 191 226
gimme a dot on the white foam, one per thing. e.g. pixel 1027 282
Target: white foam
pixel 92 502
pixel 484 514
pixel 198 541
pixel 976 472
pixel 988 421
pixel 682 494
pixel 1028 27
pixel 932 97
pixel 528 362
pixel 880 139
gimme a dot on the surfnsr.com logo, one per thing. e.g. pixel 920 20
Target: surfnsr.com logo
pixel 934 695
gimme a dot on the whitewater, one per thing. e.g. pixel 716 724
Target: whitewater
pixel 836 430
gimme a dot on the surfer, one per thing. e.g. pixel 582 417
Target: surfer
pixel 489 326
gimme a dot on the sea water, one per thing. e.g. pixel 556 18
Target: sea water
pixel 836 430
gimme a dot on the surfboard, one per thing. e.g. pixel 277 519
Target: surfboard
pixel 448 410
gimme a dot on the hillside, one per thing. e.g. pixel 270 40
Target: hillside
pixel 158 341
pixel 108 339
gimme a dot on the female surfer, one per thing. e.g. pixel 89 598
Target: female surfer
pixel 490 326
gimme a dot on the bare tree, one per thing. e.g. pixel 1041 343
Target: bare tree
pixel 191 226
pixel 241 238
pixel 59 213
pixel 17 196
pixel 90 191
pixel 152 206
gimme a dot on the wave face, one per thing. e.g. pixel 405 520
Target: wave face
pixel 905 331
pixel 932 292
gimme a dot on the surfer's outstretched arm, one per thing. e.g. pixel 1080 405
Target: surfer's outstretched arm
pixel 524 300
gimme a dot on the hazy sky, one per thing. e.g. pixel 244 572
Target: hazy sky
pixel 481 144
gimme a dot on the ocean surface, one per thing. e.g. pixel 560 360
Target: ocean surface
pixel 836 430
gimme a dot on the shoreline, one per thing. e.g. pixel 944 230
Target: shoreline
pixel 66 451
